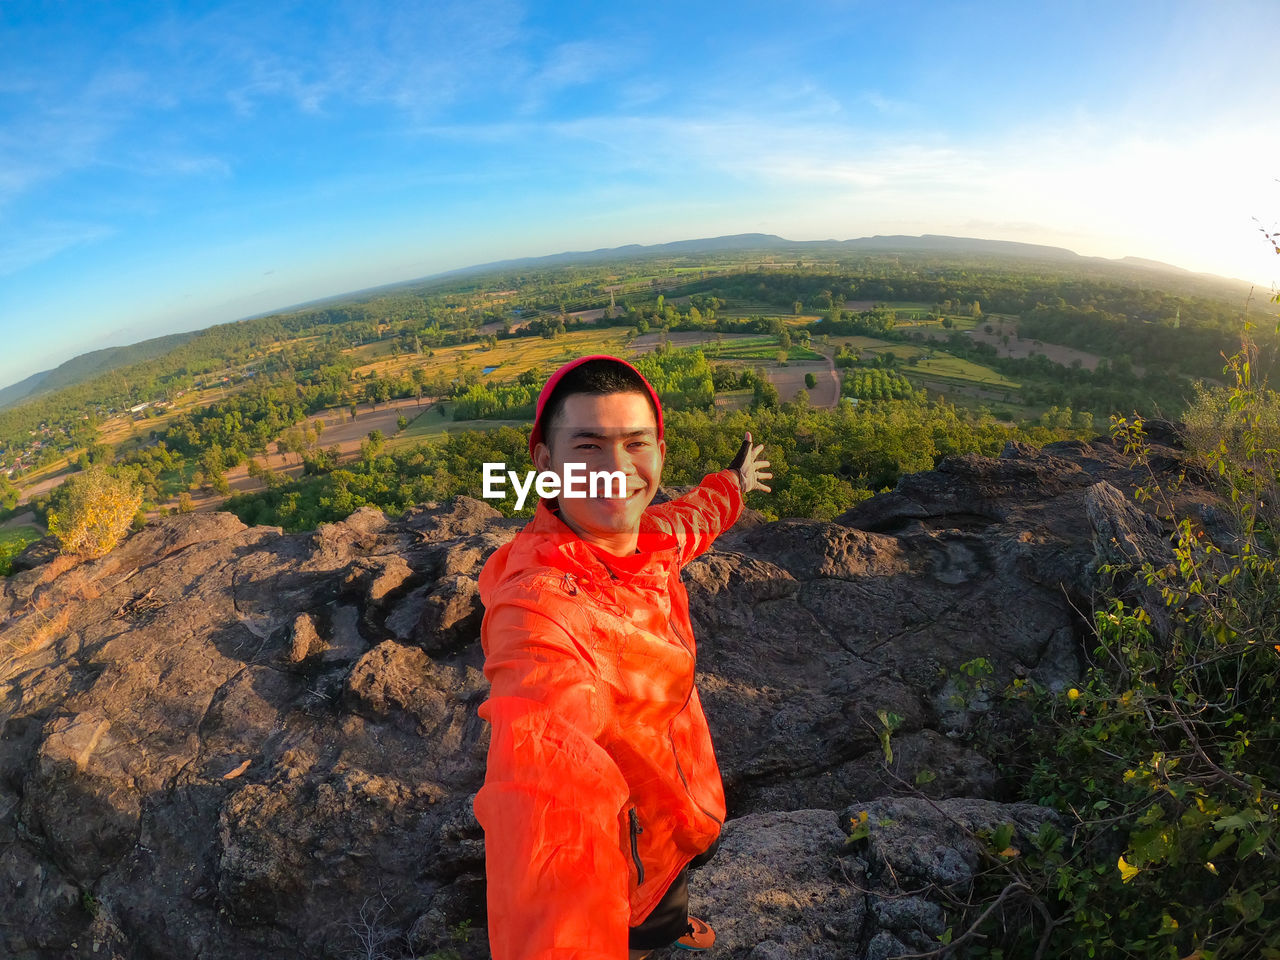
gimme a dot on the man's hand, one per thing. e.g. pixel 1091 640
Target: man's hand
pixel 750 469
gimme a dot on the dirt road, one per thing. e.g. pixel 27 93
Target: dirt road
pixel 339 431
pixel 790 378
pixel 30 493
pixel 27 519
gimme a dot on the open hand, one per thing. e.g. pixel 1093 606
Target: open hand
pixel 750 468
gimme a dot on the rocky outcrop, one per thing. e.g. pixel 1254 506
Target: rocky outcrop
pixel 224 741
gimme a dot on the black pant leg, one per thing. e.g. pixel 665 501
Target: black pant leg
pixel 706 855
pixel 667 923
pixel 669 919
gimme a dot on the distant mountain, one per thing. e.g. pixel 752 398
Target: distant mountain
pixel 754 243
pixel 758 242
pixel 1130 269
pixel 91 364
pixel 23 388
pixel 766 242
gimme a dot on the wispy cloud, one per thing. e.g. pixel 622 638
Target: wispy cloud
pixel 569 65
pixel 416 57
pixel 148 104
pixel 42 241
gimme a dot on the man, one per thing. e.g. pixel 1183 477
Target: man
pixel 602 786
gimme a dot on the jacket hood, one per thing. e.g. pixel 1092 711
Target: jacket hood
pixel 554 381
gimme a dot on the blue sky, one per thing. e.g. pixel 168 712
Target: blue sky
pixel 165 166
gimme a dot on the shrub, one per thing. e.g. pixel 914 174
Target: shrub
pixel 94 510
pixel 1164 759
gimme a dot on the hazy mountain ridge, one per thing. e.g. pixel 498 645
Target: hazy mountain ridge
pixel 756 242
pixel 1130 269
pixel 23 388
pixel 85 365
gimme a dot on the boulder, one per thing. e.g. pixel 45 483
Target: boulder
pixel 232 742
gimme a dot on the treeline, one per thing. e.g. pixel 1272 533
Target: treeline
pixel 1114 387
pixel 823 461
pixel 683 379
pixel 876 384
pixel 1154 327
pixel 1002 291
pixel 1167 342
pixel 246 423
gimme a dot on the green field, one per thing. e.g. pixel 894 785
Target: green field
pixel 930 361
pixel 756 348
pixel 1010 412
pixel 13 541
pixel 512 356
pixel 907 309
pixel 436 422
pixel 757 308
pixel 943 366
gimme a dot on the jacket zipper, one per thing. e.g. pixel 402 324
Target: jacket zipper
pixel 671 735
pixel 680 770
pixel 636 830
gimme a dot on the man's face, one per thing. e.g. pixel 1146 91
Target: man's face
pixel 606 432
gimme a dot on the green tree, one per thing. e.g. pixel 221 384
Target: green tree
pixel 8 494
pixel 94 510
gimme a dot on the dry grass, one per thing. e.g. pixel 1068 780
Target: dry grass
pixel 36 631
pixel 58 566
pixel 88 590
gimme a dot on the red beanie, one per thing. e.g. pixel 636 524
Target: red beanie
pixel 536 436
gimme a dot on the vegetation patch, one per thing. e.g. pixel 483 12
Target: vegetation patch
pixel 13 540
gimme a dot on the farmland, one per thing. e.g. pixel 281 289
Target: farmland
pixel 766 328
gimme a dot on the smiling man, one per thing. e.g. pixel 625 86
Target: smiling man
pixel 602 787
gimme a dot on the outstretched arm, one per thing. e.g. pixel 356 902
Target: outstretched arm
pixel 714 505
pixel 751 469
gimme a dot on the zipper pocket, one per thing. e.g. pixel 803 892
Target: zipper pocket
pixel 636 830
pixel 671 735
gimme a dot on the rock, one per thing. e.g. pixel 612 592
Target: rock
pixel 378 577
pixel 345 642
pixel 440 617
pixel 461 517
pixel 924 761
pixel 1121 532
pixel 885 946
pixel 772 880
pixel 35 554
pixel 912 919
pixel 242 743
pixel 919 842
pixel 768 950
pixel 397 682
pixel 305 638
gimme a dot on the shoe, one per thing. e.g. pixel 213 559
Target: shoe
pixel 698 936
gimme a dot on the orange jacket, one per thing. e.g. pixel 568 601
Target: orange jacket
pixel 602 783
